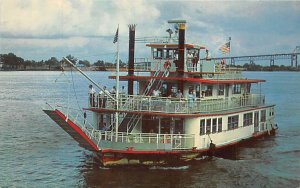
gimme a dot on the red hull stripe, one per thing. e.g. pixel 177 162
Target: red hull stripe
pixel 77 129
pixel 98 110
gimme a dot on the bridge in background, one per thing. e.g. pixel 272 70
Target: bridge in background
pixel 293 57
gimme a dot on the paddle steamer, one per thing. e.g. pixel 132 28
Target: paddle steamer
pixel 184 107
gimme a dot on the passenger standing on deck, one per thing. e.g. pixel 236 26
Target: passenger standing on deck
pixel 179 94
pixel 191 99
pixel 155 93
pixel 103 97
pixel 92 95
pixel 113 91
pixel 122 95
pixel 195 61
pixel 189 60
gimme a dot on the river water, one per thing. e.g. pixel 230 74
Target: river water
pixel 35 152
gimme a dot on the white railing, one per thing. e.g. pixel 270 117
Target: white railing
pixel 81 122
pixel 151 140
pixel 176 141
pixel 181 106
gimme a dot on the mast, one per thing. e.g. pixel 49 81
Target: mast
pixel 117 86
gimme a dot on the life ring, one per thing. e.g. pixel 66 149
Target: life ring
pixel 167 64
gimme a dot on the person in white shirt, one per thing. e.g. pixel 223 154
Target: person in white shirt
pixel 103 97
pixel 189 60
pixel 92 95
pixel 155 93
pixel 113 91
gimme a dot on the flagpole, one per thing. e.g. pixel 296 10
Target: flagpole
pixel 117 85
pixel 229 40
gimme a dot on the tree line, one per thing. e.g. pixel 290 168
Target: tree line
pixel 12 62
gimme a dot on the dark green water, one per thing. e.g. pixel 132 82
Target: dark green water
pixel 35 152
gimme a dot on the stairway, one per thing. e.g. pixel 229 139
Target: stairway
pixel 131 120
pixel 156 82
pixel 72 129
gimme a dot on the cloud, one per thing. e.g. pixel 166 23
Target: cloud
pixel 87 27
pixel 62 18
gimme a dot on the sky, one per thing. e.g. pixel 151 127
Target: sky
pixel 41 29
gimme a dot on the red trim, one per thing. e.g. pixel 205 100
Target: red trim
pixel 175 46
pixel 173 115
pixel 196 80
pixel 152 152
pixel 77 129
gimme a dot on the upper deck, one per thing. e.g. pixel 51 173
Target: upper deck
pixel 170 106
pixel 165 56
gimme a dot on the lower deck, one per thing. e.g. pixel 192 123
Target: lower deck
pixel 156 133
pixel 165 138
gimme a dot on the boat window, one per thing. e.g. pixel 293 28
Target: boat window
pixel 179 126
pixel 233 122
pixel 236 89
pixel 214 125
pixel 202 126
pixel 263 115
pixel 220 125
pixel 248 88
pixel 157 53
pixel 208 92
pixel 248 119
pixel 271 111
pixel 198 91
pixel 221 89
pixel 208 124
pixel 170 54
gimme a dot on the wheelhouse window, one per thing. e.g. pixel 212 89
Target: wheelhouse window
pixel 263 115
pixel 248 119
pixel 221 90
pixel 170 54
pixel 208 125
pixel 157 53
pixel 202 126
pixel 233 122
pixel 236 89
pixel 220 125
pixel 208 91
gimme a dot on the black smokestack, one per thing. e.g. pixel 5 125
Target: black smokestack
pixel 181 37
pixel 131 57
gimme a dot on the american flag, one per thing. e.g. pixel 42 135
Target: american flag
pixel 116 36
pixel 225 48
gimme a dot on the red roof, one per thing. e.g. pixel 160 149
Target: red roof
pixel 196 80
pixel 175 46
